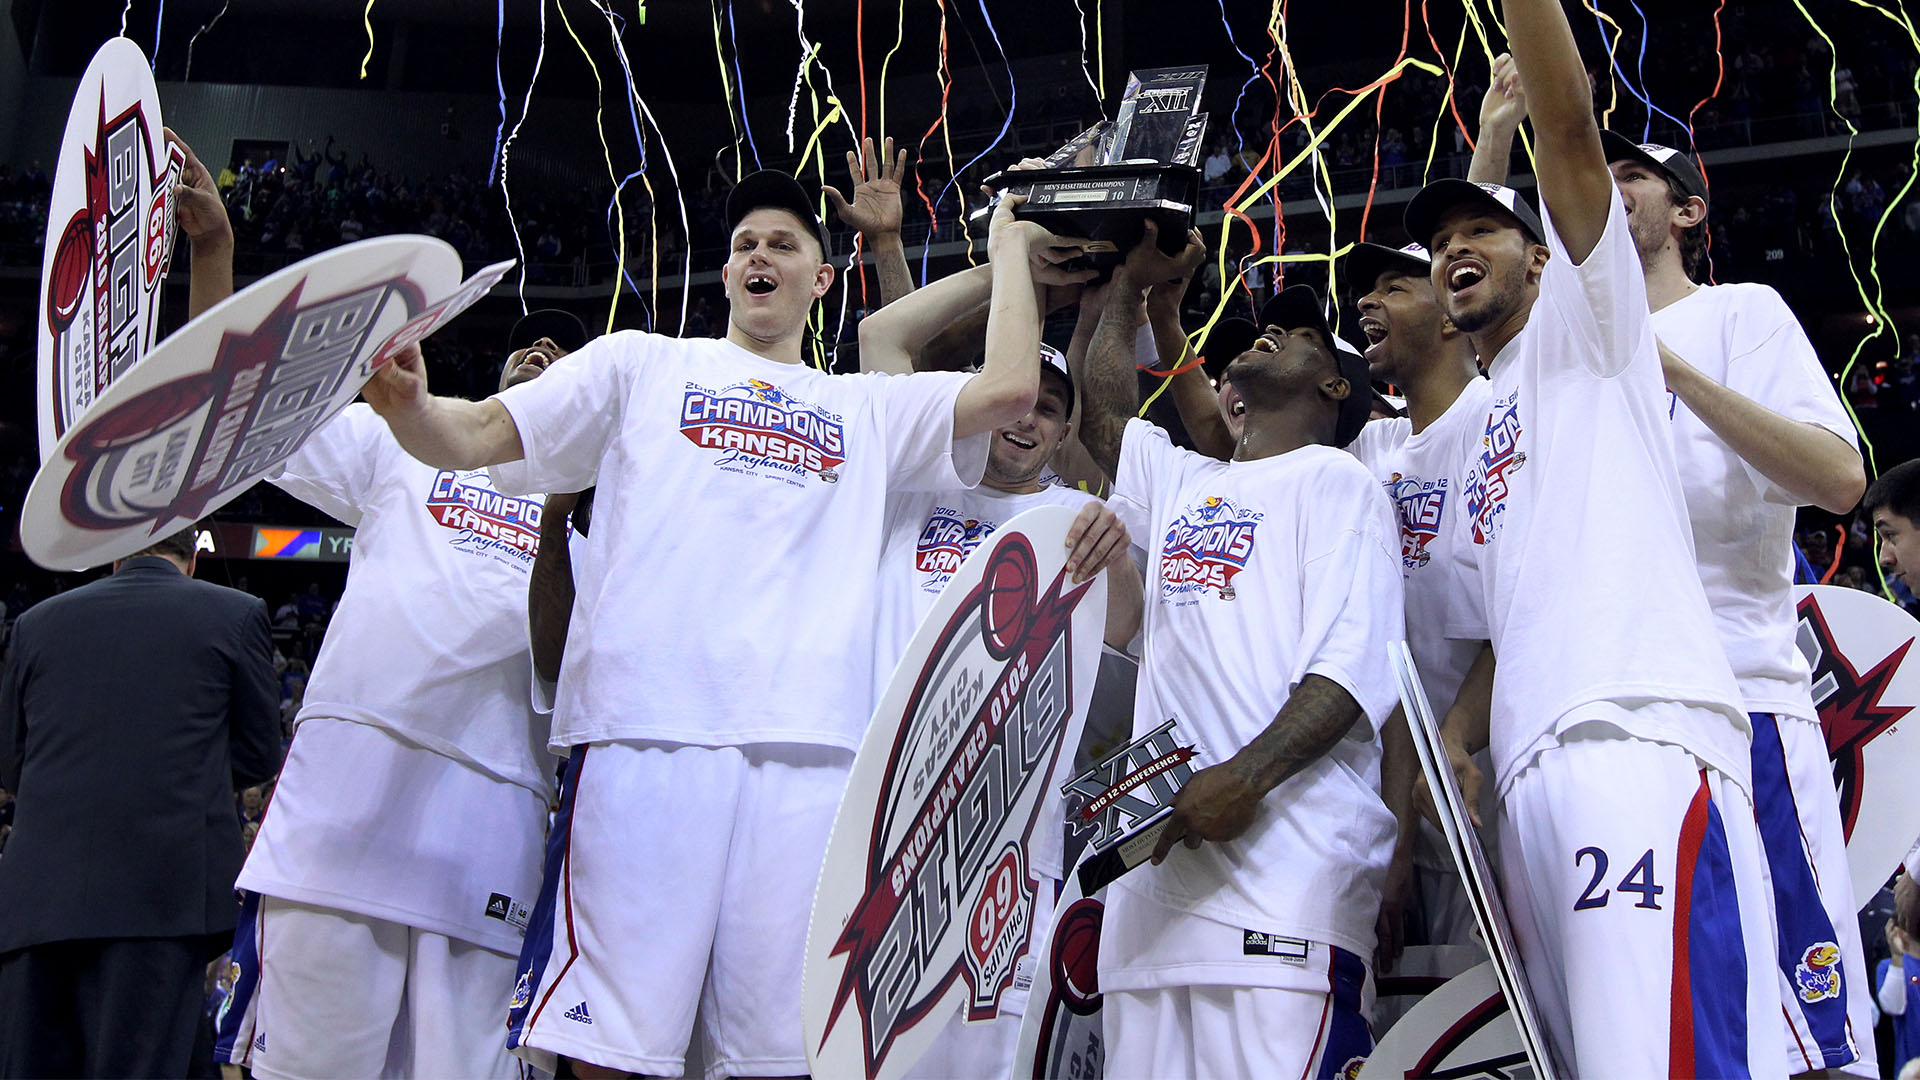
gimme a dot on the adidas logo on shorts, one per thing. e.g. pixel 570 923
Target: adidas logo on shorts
pixel 578 1014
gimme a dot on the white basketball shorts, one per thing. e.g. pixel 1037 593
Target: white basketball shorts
pixel 677 878
pixel 1196 1032
pixel 1823 968
pixel 327 993
pixel 1638 896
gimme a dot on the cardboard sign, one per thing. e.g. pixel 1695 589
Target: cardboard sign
pixel 925 902
pixel 220 404
pixel 1463 1029
pixel 1116 811
pixel 1476 876
pixel 110 234
pixel 1865 682
pixel 1061 1037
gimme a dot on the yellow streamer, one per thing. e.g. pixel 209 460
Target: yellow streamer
pixel 366 17
pixel 726 90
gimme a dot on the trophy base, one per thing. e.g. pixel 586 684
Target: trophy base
pixel 1106 204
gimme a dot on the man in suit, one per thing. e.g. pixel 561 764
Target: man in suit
pixel 130 710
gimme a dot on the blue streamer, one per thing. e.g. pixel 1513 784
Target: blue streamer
pixel 499 82
pixel 1613 60
pixel 1239 147
pixel 159 17
pixel 1013 105
pixel 740 88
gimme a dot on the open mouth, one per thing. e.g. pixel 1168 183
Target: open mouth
pixel 1231 403
pixel 1465 275
pixel 760 284
pixel 1375 330
pixel 1016 440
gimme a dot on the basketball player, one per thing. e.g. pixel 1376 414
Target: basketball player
pixel 1618 737
pixel 401 859
pixel 1758 431
pixel 1273 596
pixel 928 534
pixel 718 675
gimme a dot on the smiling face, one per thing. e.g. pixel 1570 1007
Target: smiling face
pixel 1020 451
pixel 1403 322
pixel 1485 269
pixel 774 273
pixel 526 364
pixel 1899 546
pixel 1281 365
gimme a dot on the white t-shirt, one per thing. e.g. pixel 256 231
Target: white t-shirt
pixel 1575 521
pixel 1262 573
pixel 1421 474
pixel 929 534
pixel 737 529
pixel 429 640
pixel 366 822
pixel 1745 338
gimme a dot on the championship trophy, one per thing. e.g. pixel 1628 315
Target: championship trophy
pixel 1107 181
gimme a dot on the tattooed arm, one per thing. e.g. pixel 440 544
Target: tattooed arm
pixel 1218 804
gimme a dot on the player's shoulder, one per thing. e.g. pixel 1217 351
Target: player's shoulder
pixel 1333 466
pixel 1380 438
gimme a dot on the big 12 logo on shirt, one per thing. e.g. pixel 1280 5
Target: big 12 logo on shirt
pixel 1500 455
pixel 1204 548
pixel 759 427
pixel 946 541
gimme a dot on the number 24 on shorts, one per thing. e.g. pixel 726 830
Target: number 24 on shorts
pixel 1638 880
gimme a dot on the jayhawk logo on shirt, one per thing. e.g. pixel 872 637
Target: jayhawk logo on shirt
pixel 1500 455
pixel 946 541
pixel 1204 548
pixel 1419 504
pixel 760 427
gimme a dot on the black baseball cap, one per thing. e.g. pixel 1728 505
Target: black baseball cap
pixel 1368 261
pixel 563 328
pixel 1676 165
pixel 773 189
pixel 1425 211
pixel 1227 340
pixel 1297 306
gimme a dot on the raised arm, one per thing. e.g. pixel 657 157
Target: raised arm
pixel 1194 397
pixel 1023 257
pixel 1501 112
pixel 875 211
pixel 446 433
pixel 203 218
pixel 1575 184
pixel 1109 389
pixel 1219 802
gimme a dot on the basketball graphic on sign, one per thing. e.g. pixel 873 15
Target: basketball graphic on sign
pixel 1011 590
pixel 161 407
pixel 72 266
pixel 1076 954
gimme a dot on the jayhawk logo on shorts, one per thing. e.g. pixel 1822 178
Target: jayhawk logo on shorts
pixel 1351 1070
pixel 1419 504
pixel 1500 456
pixel 946 541
pixel 522 991
pixel 1817 977
pixel 1204 548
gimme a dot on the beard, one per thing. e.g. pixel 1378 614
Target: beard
pixel 1496 307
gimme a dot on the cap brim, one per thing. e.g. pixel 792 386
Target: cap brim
pixel 1296 306
pixel 563 328
pixel 773 189
pixel 1620 148
pixel 1366 262
pixel 1432 203
pixel 1227 340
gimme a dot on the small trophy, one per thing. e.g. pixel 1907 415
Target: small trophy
pixel 1109 179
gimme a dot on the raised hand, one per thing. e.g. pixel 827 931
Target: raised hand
pixel 1505 103
pixel 196 201
pixel 877 180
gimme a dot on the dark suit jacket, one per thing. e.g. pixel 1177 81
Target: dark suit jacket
pixel 130 710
